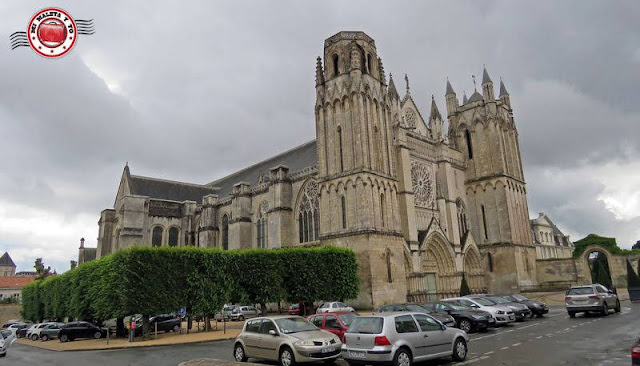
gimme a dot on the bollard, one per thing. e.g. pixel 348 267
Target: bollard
pixel 156 323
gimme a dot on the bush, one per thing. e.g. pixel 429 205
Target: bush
pixel 149 281
pixel 464 286
pixel 607 243
pixel 633 279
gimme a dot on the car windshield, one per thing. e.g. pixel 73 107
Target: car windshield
pixel 580 291
pixel 295 306
pixel 228 308
pixel 295 325
pixel 457 307
pixel 499 300
pixel 347 319
pixel 520 297
pixel 366 325
pixel 484 302
pixel 419 309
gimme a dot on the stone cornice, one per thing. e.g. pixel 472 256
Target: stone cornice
pixel 494 176
pixel 279 208
pixel 239 219
pixel 365 231
pixel 208 228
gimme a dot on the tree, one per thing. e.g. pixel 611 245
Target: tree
pixel 42 272
pixel 603 276
pixel 464 286
pixel 633 280
pixel 636 245
pixel 74 264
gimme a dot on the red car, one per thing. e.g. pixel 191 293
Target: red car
pixel 294 309
pixel 336 323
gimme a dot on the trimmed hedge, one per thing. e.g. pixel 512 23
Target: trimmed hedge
pixel 148 281
pixel 607 243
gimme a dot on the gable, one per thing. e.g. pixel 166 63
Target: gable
pixel 413 118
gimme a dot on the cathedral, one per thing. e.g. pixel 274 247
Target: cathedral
pixel 421 205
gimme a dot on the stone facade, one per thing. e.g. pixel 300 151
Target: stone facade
pixel 549 241
pixel 419 204
pixel 7 266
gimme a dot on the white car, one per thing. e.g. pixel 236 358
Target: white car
pixel 33 332
pixel 5 342
pixel 501 313
pixel 332 307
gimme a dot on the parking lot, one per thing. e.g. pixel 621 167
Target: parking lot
pixel 555 339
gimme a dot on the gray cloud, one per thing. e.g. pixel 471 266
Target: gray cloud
pixel 196 91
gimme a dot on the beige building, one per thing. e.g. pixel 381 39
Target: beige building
pixel 7 266
pixel 549 241
pixel 419 203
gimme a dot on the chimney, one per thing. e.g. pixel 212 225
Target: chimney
pixel 81 243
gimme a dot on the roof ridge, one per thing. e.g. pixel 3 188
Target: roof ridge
pixel 212 184
pixel 172 181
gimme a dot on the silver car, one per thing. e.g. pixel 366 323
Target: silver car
pixel 502 314
pixel 244 312
pixel 596 298
pixel 288 339
pixel 401 338
pixel 334 307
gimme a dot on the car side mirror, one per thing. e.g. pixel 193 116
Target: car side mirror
pixel 442 326
pixel 610 292
pixel 273 333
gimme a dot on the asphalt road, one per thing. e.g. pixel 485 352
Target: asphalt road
pixel 553 340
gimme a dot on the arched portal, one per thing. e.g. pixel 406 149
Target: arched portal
pixel 475 271
pixel 441 277
pixel 598 264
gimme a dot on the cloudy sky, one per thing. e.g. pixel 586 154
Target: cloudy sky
pixel 193 90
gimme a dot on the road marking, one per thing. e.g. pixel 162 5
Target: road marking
pixel 516 344
pixel 505 347
pixel 488 353
pixel 473 360
pixel 491 335
pixel 575 326
pixel 538 337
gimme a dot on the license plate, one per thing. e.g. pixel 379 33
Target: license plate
pixel 355 354
pixel 328 349
pixel 491 320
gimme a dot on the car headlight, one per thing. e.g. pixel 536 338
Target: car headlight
pixel 304 342
pixel 477 317
pixel 499 312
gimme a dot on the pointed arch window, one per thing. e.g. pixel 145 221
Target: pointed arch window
pixel 174 233
pixel 462 218
pixel 484 222
pixel 369 70
pixel 340 149
pixel 308 214
pixel 388 261
pixel 382 209
pixel 225 232
pixel 336 70
pixel 467 137
pixel 156 236
pixel 343 202
pixel 490 262
pixel 261 225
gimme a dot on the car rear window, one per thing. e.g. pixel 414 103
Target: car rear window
pixel 580 291
pixel 347 319
pixel 366 325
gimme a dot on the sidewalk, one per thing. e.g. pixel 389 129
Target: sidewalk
pixel 164 339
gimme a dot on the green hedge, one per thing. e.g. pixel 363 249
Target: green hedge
pixel 607 243
pixel 148 281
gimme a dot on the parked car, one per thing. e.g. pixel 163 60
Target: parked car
pixel 166 323
pixel 594 298
pixel 225 314
pixel 9 337
pixel 444 318
pixel 635 353
pixel 33 332
pixel 17 326
pixel 401 339
pixel 286 339
pixel 7 324
pixel 502 314
pixel 521 311
pixel 4 344
pixel 306 309
pixel 537 308
pixel 74 330
pixel 336 323
pixel 50 331
pixel 466 318
pixel 22 331
pixel 244 312
pixel 333 307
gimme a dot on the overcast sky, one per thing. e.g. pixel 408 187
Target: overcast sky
pixel 193 90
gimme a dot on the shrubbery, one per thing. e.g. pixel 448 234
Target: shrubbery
pixel 149 281
pixel 607 243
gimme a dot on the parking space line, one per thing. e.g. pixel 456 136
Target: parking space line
pixel 538 337
pixel 516 344
pixel 505 347
pixel 488 353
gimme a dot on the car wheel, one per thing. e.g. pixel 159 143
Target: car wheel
pixel 532 314
pixel 286 357
pixel 539 315
pixel 617 309
pixel 4 354
pixel 572 314
pixel 238 353
pixel 45 338
pixel 64 338
pixel 459 350
pixel 34 337
pixel 605 309
pixel 402 358
pixel 176 328
pixel 97 335
pixel 18 335
pixel 464 324
pixel 330 361
pixel 240 318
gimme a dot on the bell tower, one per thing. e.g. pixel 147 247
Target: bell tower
pixel 355 117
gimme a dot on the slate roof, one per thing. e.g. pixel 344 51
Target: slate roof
pixel 475 97
pixel 449 89
pixel 167 189
pixel 554 228
pixel 15 282
pixel 485 76
pixel 6 260
pixel 392 88
pixel 503 90
pixel 295 159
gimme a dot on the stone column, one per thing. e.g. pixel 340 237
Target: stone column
pixel 135 211
pixel 208 231
pixel 280 213
pixel 240 225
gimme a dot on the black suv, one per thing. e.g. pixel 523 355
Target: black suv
pixel 75 330
pixel 467 319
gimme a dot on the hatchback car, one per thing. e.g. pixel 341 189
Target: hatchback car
pixel 444 318
pixel 9 337
pixel 50 331
pixel 286 339
pixel 333 307
pixel 336 323
pixel 591 298
pixel 4 344
pixel 75 330
pixel 17 326
pixel 225 314
pixel 537 308
pixel 33 332
pixel 401 339
pixel 502 314
pixel 244 312
pixel 466 318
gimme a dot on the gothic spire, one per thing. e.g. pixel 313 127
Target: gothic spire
pixel 485 75
pixel 406 79
pixel 392 88
pixel 383 78
pixel 435 113
pixel 503 90
pixel 464 97
pixel 449 88
pixel 319 72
